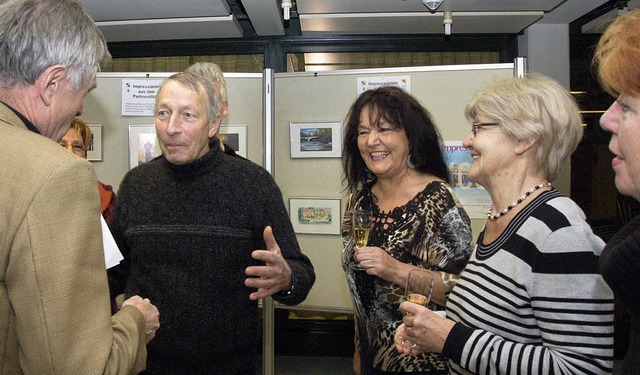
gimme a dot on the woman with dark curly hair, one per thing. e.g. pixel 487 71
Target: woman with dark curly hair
pixel 394 167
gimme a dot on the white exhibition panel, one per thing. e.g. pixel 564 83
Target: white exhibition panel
pixel 326 97
pixel 298 98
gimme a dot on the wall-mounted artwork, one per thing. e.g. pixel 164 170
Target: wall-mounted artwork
pixel 235 136
pixel 94 148
pixel 316 139
pixel 315 215
pixel 143 144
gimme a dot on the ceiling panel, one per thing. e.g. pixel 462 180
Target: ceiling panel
pixel 265 16
pixel 417 23
pixel 171 29
pixel 137 20
pixel 115 10
pixel 599 24
pixel 381 6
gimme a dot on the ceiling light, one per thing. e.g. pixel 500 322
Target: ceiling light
pixel 447 21
pixel 286 9
pixel 432 5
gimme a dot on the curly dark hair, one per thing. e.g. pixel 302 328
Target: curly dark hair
pixel 402 111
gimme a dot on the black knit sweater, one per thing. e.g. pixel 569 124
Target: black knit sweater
pixel 620 267
pixel 187 233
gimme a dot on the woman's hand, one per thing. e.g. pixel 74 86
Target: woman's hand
pixel 421 330
pixel 377 262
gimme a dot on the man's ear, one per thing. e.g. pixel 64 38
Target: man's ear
pixel 49 82
pixel 214 126
pixel 224 110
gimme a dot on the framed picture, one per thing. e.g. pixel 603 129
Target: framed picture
pixel 235 136
pixel 143 144
pixel 315 215
pixel 316 139
pixel 94 149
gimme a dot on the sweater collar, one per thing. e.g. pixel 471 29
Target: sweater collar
pixel 204 164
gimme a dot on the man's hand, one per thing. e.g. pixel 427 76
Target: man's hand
pixel 150 312
pixel 274 276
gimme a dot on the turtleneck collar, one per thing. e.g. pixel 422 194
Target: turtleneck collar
pixel 205 164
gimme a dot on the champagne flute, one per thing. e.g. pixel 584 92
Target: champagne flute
pixel 361 224
pixel 419 287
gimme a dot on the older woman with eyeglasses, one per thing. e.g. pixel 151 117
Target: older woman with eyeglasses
pixel 77 140
pixel 530 300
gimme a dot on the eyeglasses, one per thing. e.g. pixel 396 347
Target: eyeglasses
pixel 76 147
pixel 476 125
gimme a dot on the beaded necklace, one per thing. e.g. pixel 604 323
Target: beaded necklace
pixel 517 202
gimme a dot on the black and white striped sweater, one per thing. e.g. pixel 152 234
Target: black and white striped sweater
pixel 532 301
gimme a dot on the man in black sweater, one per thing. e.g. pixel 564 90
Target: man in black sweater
pixel 188 224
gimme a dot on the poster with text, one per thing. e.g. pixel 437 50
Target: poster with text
pixel 139 96
pixel 369 83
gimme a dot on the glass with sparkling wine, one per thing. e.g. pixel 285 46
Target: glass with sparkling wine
pixel 361 224
pixel 419 287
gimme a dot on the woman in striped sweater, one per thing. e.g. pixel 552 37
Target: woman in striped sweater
pixel 530 300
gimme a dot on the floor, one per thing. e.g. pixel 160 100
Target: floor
pixel 299 365
pixel 303 365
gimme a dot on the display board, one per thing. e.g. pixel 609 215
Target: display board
pixel 103 106
pixel 307 177
pixel 309 100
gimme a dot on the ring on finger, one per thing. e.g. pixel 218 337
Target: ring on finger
pixel 409 330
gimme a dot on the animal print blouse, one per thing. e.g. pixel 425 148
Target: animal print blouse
pixel 431 231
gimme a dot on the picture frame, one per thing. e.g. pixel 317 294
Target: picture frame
pixel 94 148
pixel 315 215
pixel 143 144
pixel 316 139
pixel 236 137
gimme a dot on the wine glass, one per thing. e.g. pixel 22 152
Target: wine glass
pixel 361 225
pixel 419 286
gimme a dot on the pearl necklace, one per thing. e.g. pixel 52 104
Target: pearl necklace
pixel 517 202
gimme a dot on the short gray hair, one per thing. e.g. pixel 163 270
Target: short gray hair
pixel 198 84
pixel 533 107
pixel 213 73
pixel 37 34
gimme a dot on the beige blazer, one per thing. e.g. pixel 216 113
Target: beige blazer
pixel 54 298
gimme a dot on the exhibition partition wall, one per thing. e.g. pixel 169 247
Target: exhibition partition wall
pixel 310 174
pixel 308 110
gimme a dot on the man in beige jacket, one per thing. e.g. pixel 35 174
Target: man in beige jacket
pixel 55 314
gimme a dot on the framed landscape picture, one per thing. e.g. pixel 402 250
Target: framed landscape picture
pixel 316 139
pixel 315 215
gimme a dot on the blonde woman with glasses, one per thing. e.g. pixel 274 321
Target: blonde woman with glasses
pixel 531 299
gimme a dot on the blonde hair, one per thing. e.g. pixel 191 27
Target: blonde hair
pixel 533 107
pixel 83 129
pixel 617 55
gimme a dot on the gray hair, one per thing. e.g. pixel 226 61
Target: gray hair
pixel 198 84
pixel 213 73
pixel 533 107
pixel 37 34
